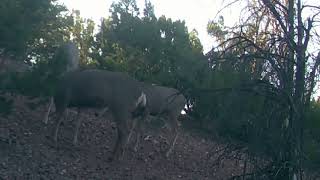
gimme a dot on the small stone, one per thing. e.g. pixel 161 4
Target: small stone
pixel 63 171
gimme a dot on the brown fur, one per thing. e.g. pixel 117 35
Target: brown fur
pixel 165 102
pixel 99 89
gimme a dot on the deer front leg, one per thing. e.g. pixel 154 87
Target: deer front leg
pixel 133 127
pixel 123 136
pixel 46 118
pixel 172 144
pixel 173 126
pixel 121 143
pixel 138 126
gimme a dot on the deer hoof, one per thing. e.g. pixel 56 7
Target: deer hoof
pixel 75 142
pixel 135 149
pixel 168 153
pixel 110 159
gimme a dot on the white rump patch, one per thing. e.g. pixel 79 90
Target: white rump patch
pixel 142 100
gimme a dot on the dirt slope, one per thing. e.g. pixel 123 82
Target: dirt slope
pixel 28 152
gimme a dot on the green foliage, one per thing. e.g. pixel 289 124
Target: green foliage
pixel 18 21
pixel 217 29
pixel 312 142
pixel 269 45
pixel 313 117
pixel 195 42
pixel 23 21
pixel 151 49
pixel 83 33
pixel 31 31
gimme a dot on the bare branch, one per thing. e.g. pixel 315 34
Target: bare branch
pixel 281 5
pixel 226 6
pixel 276 14
pixel 307 36
pixel 311 6
pixel 312 79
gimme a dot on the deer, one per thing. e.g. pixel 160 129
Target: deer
pixel 95 88
pixel 69 53
pixel 162 102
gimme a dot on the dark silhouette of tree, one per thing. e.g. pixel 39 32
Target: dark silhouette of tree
pixel 274 40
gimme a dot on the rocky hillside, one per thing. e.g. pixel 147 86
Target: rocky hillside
pixel 27 150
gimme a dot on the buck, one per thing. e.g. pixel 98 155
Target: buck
pixel 163 102
pixel 98 88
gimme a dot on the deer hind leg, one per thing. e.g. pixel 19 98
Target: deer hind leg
pixel 78 119
pixel 139 116
pixel 138 134
pixel 102 112
pixel 138 123
pixel 60 116
pixel 174 131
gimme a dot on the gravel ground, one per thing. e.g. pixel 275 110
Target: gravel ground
pixel 27 151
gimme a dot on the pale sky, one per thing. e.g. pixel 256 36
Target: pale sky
pixel 196 13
